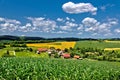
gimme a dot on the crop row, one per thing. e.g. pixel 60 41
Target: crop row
pixel 57 69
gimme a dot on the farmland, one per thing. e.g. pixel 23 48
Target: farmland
pixel 97 44
pixel 28 65
pixel 60 45
pixel 57 69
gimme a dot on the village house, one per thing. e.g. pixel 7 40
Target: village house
pixel 40 50
pixel 76 57
pixel 65 55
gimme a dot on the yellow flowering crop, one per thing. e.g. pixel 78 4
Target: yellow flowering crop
pixel 112 49
pixel 57 45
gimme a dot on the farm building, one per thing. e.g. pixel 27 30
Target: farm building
pixel 41 50
pixel 65 55
pixel 76 56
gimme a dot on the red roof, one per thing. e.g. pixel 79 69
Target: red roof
pixel 42 49
pixel 66 55
pixel 76 56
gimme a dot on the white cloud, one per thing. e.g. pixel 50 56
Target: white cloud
pixel 94 26
pixel 117 30
pixel 69 26
pixel 73 20
pixel 26 28
pixel 67 18
pixel 88 25
pixel 60 32
pixel 42 24
pixel 9 21
pixel 80 28
pixel 73 8
pixel 9 24
pixel 89 21
pixel 28 24
pixel 39 19
pixel 60 19
pixel 2 19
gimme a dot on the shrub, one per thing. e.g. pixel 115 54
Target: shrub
pixel 2 46
pixel 7 54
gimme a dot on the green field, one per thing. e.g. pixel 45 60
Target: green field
pixel 97 44
pixel 57 69
pixel 24 53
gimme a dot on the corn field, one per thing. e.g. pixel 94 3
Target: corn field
pixel 57 69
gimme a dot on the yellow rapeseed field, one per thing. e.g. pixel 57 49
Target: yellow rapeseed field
pixel 57 45
pixel 108 49
pixel 112 41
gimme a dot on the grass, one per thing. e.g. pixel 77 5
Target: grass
pixel 31 54
pixel 23 53
pixel 96 44
pixel 57 69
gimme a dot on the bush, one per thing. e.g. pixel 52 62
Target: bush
pixel 17 45
pixel 56 55
pixel 66 50
pixel 2 46
pixel 7 54
pixel 17 50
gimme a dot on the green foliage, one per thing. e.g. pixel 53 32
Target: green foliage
pixel 56 55
pixel 17 45
pixel 7 54
pixel 2 45
pixel 57 69
pixel 66 50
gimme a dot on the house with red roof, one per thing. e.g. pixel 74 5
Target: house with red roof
pixel 65 55
pixel 76 56
pixel 41 50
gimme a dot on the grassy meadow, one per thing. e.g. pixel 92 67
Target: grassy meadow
pixel 97 44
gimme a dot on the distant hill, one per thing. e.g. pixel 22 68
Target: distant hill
pixel 10 37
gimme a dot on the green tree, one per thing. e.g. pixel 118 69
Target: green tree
pixel 66 50
pixel 22 38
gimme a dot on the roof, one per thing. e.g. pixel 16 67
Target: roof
pixel 42 49
pixel 66 55
pixel 76 56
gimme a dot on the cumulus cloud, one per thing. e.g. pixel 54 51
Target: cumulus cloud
pixel 75 8
pixel 67 18
pixel 87 25
pixel 70 19
pixel 60 32
pixel 96 27
pixel 80 27
pixel 69 26
pixel 26 28
pixel 60 19
pixel 42 24
pixel 9 24
pixel 117 30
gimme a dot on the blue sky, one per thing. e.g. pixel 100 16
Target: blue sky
pixel 60 18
